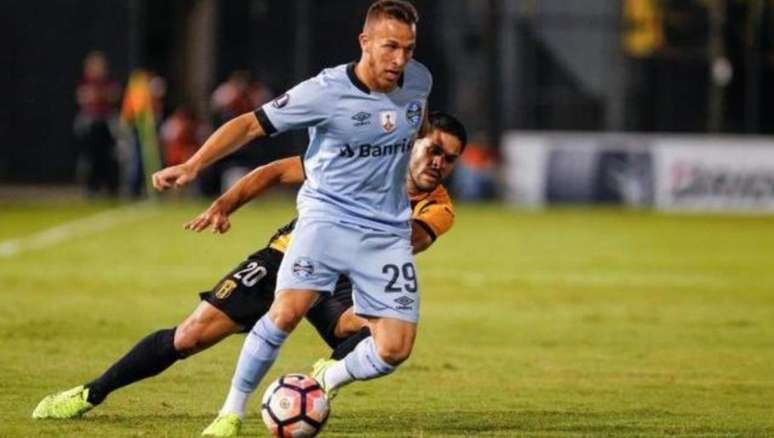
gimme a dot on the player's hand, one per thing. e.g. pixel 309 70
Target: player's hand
pixel 173 176
pixel 215 216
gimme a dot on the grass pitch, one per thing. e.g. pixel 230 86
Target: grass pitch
pixel 567 322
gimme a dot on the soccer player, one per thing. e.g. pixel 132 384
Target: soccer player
pixel 244 295
pixel 353 210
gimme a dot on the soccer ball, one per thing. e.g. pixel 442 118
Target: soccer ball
pixel 294 406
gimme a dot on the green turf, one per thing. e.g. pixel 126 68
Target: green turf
pixel 568 322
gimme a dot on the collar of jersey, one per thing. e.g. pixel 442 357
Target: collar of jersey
pixel 359 84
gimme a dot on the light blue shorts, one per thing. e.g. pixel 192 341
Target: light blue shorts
pixel 380 265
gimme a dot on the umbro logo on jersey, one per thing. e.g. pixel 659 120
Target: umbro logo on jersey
pixel 374 150
pixel 362 118
pixel 404 303
pixel 389 120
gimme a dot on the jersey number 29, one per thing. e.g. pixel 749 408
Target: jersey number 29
pixel 409 277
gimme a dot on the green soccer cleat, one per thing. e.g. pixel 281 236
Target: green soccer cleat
pixel 224 426
pixel 318 372
pixel 66 404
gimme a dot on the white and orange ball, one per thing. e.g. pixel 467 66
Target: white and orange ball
pixel 294 406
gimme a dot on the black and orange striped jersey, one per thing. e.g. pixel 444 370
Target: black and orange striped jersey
pixel 281 239
pixel 432 211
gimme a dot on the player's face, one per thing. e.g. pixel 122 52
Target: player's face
pixel 433 158
pixel 388 46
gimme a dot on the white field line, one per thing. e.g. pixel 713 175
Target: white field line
pixel 75 229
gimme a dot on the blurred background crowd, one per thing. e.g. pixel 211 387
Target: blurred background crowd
pixel 102 93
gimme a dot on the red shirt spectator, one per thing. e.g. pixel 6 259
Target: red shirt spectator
pixel 179 134
pixel 97 93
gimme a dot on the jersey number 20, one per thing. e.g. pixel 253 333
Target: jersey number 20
pixel 252 274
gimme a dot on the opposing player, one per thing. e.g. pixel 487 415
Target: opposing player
pixel 245 294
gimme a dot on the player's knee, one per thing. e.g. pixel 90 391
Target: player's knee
pixel 188 338
pixel 395 351
pixel 290 306
pixel 285 318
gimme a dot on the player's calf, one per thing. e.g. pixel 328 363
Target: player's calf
pixel 375 356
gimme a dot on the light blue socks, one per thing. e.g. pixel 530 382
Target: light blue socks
pixel 258 354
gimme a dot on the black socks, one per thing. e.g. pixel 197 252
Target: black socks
pixel 156 352
pixel 152 355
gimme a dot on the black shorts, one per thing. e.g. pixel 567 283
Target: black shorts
pixel 246 293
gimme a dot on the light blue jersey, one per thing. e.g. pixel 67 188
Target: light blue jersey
pixel 359 144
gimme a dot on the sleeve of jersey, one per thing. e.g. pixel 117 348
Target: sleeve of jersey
pixel 436 218
pixel 301 107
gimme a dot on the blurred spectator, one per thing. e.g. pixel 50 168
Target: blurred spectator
pixel 129 145
pixel 97 95
pixel 236 96
pixel 158 92
pixel 475 175
pixel 181 135
pixel 260 93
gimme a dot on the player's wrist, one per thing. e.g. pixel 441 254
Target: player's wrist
pixel 192 168
pixel 223 205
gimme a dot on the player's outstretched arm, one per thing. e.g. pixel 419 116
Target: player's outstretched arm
pixel 284 171
pixel 228 138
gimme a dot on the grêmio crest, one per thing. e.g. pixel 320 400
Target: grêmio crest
pixel 414 113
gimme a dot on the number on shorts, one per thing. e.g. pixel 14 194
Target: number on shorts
pixel 395 274
pixel 253 273
pixel 409 274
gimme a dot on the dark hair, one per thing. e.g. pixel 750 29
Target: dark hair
pixel 449 124
pixel 400 10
